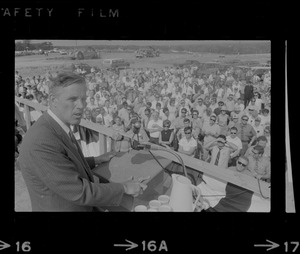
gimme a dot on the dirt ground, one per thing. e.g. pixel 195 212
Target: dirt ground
pixel 35 65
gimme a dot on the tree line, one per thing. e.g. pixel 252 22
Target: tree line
pixel 28 45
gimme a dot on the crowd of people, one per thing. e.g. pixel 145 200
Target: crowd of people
pixel 217 117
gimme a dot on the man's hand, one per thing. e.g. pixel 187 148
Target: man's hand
pixel 135 187
pixel 105 157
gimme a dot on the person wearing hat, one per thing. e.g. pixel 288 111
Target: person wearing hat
pixel 220 151
pixel 258 165
pixel 246 133
pixel 222 120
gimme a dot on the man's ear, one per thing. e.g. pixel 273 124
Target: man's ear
pixel 52 99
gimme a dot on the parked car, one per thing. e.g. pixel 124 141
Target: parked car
pixel 116 64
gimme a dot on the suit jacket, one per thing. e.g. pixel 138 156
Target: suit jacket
pixel 57 175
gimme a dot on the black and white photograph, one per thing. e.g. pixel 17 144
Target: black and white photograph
pixel 146 128
pixel 156 126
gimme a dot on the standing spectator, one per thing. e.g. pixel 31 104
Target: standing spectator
pixel 258 165
pixel 248 94
pixel 233 138
pixel 155 126
pixel 246 133
pixel 187 145
pixel 166 136
pixel 220 151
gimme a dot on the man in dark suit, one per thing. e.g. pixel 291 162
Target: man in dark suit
pixel 57 175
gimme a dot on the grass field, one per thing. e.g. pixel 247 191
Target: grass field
pixel 34 65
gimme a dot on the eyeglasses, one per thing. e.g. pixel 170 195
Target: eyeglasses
pixel 183 112
pixel 233 132
pixel 240 163
pixel 255 152
pixel 213 119
pixel 195 114
pixel 187 133
pixel 245 119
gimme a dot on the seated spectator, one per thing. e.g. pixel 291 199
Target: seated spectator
pixel 119 145
pixel 180 132
pixel 261 141
pixel 258 127
pixel 265 117
pixel 166 136
pixel 104 118
pixel 222 120
pixel 155 126
pixel 220 151
pixel 233 138
pixel 258 165
pixel 196 124
pixel 187 145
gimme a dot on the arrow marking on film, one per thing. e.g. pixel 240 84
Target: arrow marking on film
pixel 131 245
pixel 272 245
pixel 3 245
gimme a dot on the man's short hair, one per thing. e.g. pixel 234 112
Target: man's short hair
pixel 262 138
pixel 165 110
pixel 188 129
pixel 259 148
pixel 186 120
pixel 64 79
pixel 233 128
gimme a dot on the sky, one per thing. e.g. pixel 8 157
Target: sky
pixel 115 42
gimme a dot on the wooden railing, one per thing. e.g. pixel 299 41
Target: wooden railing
pixel 224 175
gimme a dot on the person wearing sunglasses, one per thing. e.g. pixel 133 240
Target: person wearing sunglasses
pixel 258 165
pixel 166 136
pixel 246 133
pixel 233 138
pixel 196 123
pixel 220 151
pixel 263 142
pixel 187 144
pixel 178 121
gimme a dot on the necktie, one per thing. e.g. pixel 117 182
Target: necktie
pixel 218 157
pixel 71 135
pixel 256 166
